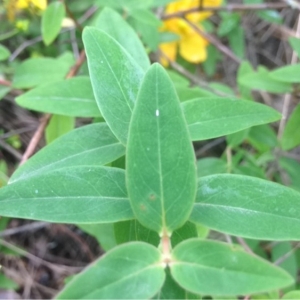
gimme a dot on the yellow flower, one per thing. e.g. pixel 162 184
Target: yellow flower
pixel 192 46
pixel 14 6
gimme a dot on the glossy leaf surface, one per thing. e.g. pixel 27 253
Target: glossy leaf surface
pixel 213 117
pixel 115 78
pixel 72 97
pixel 82 194
pixel 91 145
pixel 213 268
pixel 130 271
pixel 248 207
pixel 115 26
pixel 51 21
pixel 161 183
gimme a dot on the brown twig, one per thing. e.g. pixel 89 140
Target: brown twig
pixel 229 7
pixel 242 242
pixel 36 138
pixel 214 41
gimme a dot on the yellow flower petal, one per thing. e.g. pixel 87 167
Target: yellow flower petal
pixel 22 4
pixel 193 48
pixel 40 4
pixel 170 51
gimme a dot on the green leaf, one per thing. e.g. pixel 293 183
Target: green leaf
pixel 35 71
pixel 58 126
pixel 81 194
pixel 51 21
pixel 292 168
pixel 4 53
pixel 132 230
pixel 115 78
pixel 284 251
pixel 213 117
pixel 237 41
pixel 91 145
pixel 263 138
pixel 292 295
pixel 248 207
pixel 7 284
pixel 235 139
pixel 289 73
pixel 229 22
pixel 3 91
pixel 171 290
pixel 210 165
pixel 291 134
pixel 214 268
pixel 103 233
pixel 263 81
pixel 161 184
pixel 210 64
pixel 114 25
pixel 130 271
pixel 72 97
pixel 269 15
pixel 187 231
pixel 295 43
pixel 146 24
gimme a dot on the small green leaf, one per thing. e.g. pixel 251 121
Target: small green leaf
pixel 130 271
pixel 213 117
pixel 115 78
pixel 146 24
pixel 289 73
pixel 51 21
pixel 58 126
pixel 114 25
pixel 72 97
pixel 262 137
pixel 161 184
pixel 263 81
pixel 132 230
pixel 235 139
pixel 210 165
pixel 91 145
pixel 187 231
pixel 292 295
pixel 7 284
pixel 214 268
pixel 295 43
pixel 283 251
pixel 269 15
pixel 84 194
pixel 4 53
pixel 4 90
pixel 103 233
pixel 229 21
pixel 35 71
pixel 291 134
pixel 237 41
pixel 292 168
pixel 230 203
